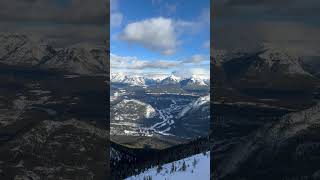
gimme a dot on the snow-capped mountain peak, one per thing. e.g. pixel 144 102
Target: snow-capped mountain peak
pixel 280 56
pixel 117 77
pixel 172 79
pixel 134 80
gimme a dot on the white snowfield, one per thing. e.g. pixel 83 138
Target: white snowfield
pixel 197 168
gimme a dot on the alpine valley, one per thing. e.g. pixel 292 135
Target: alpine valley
pixel 159 110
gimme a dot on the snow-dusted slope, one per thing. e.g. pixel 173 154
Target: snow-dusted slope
pixel 117 77
pixel 134 80
pixel 199 103
pixel 275 56
pixel 197 167
pixel 194 81
pixel 80 60
pixel 21 50
pixel 265 58
pixel 172 79
pixel 294 136
pixel 132 110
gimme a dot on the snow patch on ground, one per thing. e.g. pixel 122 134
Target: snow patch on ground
pixel 197 167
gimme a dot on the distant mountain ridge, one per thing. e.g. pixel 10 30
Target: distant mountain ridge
pixel 21 50
pixel 268 67
pixel 170 79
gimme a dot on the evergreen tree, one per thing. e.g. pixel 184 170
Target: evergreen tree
pixel 194 163
pixel 184 167
pixel 173 168
pixel 159 168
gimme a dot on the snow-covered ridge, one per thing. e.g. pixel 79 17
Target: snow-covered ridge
pixel 22 50
pixel 193 106
pixel 149 111
pixel 273 135
pixel 191 168
pixel 273 56
pixel 172 79
pixel 163 79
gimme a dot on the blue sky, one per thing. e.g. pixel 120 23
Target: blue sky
pixel 160 36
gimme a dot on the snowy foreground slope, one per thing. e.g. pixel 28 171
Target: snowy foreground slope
pixel 196 167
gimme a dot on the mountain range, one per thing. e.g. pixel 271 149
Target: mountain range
pixel 164 79
pixel 266 67
pixel 22 50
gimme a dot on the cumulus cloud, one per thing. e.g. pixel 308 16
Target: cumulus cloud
pixel 155 34
pixel 203 72
pixel 127 62
pixel 134 63
pixel 163 34
pixel 196 59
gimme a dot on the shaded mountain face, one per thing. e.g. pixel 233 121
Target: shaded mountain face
pixel 286 149
pixel 312 65
pixel 53 126
pixel 261 127
pixel 266 68
pixel 21 50
pixel 194 119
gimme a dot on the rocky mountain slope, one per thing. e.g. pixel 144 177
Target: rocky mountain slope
pixel 265 67
pixel 21 50
pixel 286 149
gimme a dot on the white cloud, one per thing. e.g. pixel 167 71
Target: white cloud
pixel 199 72
pixel 155 34
pixel 196 59
pixel 127 62
pixel 163 34
pixel 134 64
